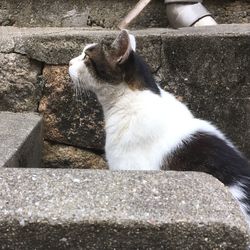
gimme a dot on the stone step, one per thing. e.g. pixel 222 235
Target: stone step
pixel 73 209
pixel 107 13
pixel 207 68
pixel 62 156
pixel 20 140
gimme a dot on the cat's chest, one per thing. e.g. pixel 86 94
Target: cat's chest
pixel 144 115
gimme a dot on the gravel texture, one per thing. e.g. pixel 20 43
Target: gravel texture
pixel 19 88
pixel 63 156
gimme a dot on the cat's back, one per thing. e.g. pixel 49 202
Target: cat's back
pixel 173 108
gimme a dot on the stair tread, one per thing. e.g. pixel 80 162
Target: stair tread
pixel 162 208
pixel 223 29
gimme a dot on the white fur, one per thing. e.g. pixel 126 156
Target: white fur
pixel 75 66
pixel 88 46
pixel 132 42
pixel 238 193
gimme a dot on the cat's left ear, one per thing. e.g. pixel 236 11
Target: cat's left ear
pixel 124 44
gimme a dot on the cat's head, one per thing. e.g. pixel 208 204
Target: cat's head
pixel 101 65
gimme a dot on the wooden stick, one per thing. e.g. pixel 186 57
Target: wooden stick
pixel 133 13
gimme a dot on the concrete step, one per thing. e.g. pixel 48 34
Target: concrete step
pixel 72 209
pixel 207 68
pixel 106 13
pixel 63 156
pixel 20 140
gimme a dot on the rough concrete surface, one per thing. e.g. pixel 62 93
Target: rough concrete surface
pixel 19 88
pixel 73 209
pixel 229 11
pixel 63 156
pixel 106 13
pixel 211 74
pixel 20 140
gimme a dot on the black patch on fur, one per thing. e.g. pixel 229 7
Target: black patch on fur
pixel 138 72
pixel 210 154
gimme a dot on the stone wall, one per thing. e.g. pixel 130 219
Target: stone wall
pixel 82 13
pixel 69 119
pixel 207 68
pixel 19 75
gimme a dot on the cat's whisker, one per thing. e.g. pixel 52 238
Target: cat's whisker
pixel 80 90
pixel 76 95
pixel 76 89
pixel 87 93
pixel 76 92
pixel 84 92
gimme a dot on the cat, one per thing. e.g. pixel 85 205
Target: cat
pixel 147 128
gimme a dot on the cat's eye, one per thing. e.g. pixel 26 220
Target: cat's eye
pixel 86 57
pixel 91 49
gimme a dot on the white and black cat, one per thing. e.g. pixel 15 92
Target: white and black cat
pixel 148 128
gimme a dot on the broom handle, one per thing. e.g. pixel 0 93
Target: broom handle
pixel 133 13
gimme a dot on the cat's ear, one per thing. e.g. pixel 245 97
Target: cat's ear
pixel 132 42
pixel 124 44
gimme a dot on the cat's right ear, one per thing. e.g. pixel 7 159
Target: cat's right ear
pixel 124 44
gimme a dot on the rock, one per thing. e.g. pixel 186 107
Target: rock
pixel 68 120
pixel 75 19
pixel 5 19
pixel 62 156
pixel 74 209
pixel 19 87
